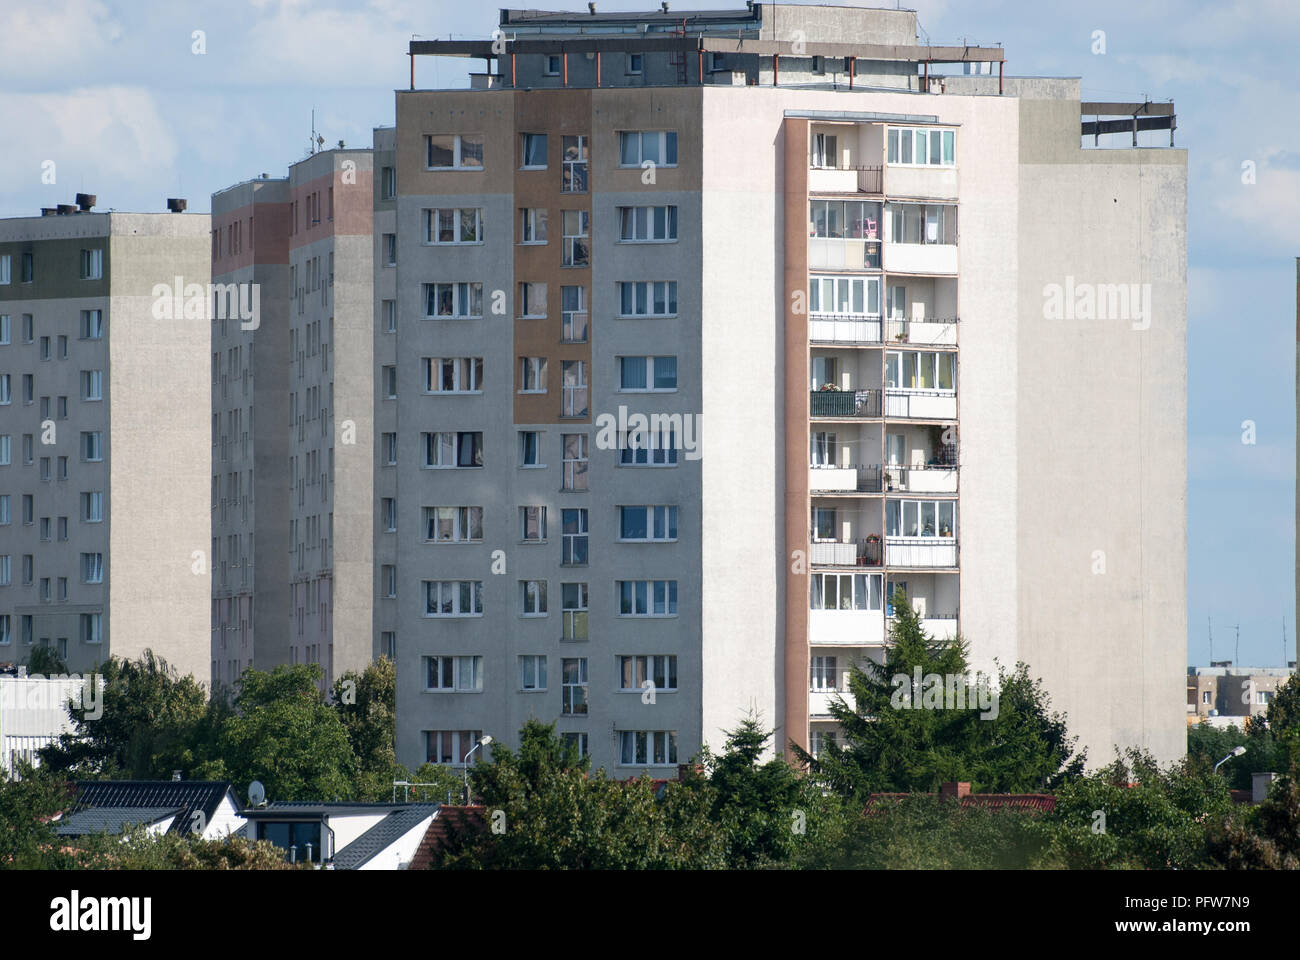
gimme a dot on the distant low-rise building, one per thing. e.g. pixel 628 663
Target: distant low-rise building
pixel 33 714
pixel 1223 691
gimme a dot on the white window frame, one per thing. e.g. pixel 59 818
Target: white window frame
pixel 659 450
pixel 641 748
pixel 644 667
pixel 433 226
pixel 918 141
pixel 645 296
pixel 466 298
pixel 464 522
pixel 895 370
pixel 573 693
pixel 573 383
pixel 92 568
pixel 533 517
pixel 454 674
pixel 458 152
pixel 532 375
pixel 436 446
pixel 863 596
pixel 573 243
pixel 661 139
pixel 570 540
pixel 896 516
pixel 572 473
pixel 530 450
pixel 533 223
pixel 453 592
pixel 832 288
pixel 524 139
pixel 651 366
pixel 638 224
pixel 532 599
pixel 646 599
pixel 659 520
pixel 92 264
pixel 532 673
pixel 466 375
pixel 571 315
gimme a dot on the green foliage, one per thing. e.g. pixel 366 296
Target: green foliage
pixel 27 805
pixel 1266 837
pixel 366 705
pixel 442 781
pixel 149 725
pixel 140 850
pixel 889 744
pixel 43 661
pixel 1263 752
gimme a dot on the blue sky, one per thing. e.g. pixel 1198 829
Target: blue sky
pixel 114 94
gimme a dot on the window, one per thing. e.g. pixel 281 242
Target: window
pixel 646 448
pixel 573 610
pixel 92 628
pixel 454 151
pixel 923 223
pixel 922 146
pixel 92 384
pixel 29 388
pixel 453 225
pixel 532 673
pixel 453 598
pixel 575 461
pixel 846 219
pixel 532 374
pixel 453 673
pixel 573 686
pixel 818 64
pixel 28 268
pixel 45 468
pixel 92 324
pixel 656 298
pixel 648 747
pixel 532 524
pixel 6 268
pixel 573 304
pixel 29 328
pixel 819 740
pixel 45 348
pixel 532 225
pixel 920 518
pixel 844 296
pixel 6 628
pixel 92 264
pixel 552 68
pixel 647 523
pixel 6 442
pixel 6 388
pixel 388 376
pixel 576 741
pixel 388 581
pixel 647 598
pixel 63 524
pixel 6 571
pixel 61 408
pixel 388 510
pixel 389 445
pixel 845 591
pixel 463 449
pixel 647 224
pixel 532 300
pixel 92 446
pixel 573 177
pixel 453 374
pixel 824 677
pixel 387 183
pixel 92 568
pixel 92 507
pixel 454 300
pixel 390 249
pixel 636 672
pixel 451 746
pixel 634 64
pixel 647 374
pixel 63 346
pixel 5 516
pixel 29 510
pixel 637 147
pixel 389 311
pixel 530 448
pixel 25 620
pixel 574 546
pixel 573 384
pixel 453 524
pixel 534 151
pixel 4 328
pixel 532 598
pixel 388 644
pixel 576 252
pixel 920 370
pixel 27 449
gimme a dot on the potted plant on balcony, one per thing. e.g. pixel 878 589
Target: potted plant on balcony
pixel 829 387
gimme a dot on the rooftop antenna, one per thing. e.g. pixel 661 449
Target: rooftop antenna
pixel 1284 643
pixel 1236 656
pixel 1209 626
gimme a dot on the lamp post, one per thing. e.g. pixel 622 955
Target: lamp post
pixel 483 741
pixel 1236 752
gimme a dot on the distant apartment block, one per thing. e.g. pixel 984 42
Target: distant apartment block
pixel 103 421
pixel 1222 690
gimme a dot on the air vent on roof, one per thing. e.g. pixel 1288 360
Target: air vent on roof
pixel 86 200
pixel 66 208
pixel 48 211
pixel 176 204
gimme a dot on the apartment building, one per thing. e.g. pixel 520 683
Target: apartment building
pixel 292 421
pixel 887 328
pixel 1224 690
pixel 103 421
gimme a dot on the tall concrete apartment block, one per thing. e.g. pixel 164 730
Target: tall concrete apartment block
pixel 292 412
pixel 916 337
pixel 103 446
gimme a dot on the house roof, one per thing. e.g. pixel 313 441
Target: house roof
pixel 186 797
pixel 472 817
pixel 290 808
pixel 383 835
pixel 113 820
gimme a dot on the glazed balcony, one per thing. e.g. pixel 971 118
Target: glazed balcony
pixel 843 328
pixel 921 552
pixel 901 404
pixel 936 331
pixel 867 552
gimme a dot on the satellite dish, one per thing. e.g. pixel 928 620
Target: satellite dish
pixel 256 793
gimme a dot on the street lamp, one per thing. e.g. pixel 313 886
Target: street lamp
pixel 483 741
pixel 1236 752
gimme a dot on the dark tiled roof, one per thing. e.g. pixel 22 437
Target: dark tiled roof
pixel 382 835
pixel 113 820
pixel 472 817
pixel 282 808
pixel 184 796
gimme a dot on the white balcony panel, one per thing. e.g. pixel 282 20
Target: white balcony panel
pixel 920 257
pixel 922 332
pixel 939 183
pixel 920 552
pixel 832 253
pixel 839 554
pixel 844 331
pixel 833 478
pixel 930 405
pixel 854 628
pixel 822 180
pixel 819 701
pixel 941 628
pixel 928 480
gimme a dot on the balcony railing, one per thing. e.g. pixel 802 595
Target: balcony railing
pixel 844 403
pixel 921 551
pixel 844 253
pixel 841 177
pixel 843 328
pixel 932 330
pixel 921 404
pixel 933 477
pixel 846 553
pixel 850 478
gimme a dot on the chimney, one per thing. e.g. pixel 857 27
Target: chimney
pixel 664 6
pixel 954 790
pixel 591 9
pixel 176 776
pixel 1259 784
pixel 175 204
pixel 48 211
pixel 85 201
pixel 66 208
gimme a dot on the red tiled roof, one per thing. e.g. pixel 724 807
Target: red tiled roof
pixel 471 816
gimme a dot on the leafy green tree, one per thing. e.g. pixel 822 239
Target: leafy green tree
pixel 1211 744
pixel 28 804
pixel 366 706
pixel 43 661
pixel 141 850
pixel 148 727
pixel 438 782
pixel 283 733
pixel 1264 837
pixel 896 738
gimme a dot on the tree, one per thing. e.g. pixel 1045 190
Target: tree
pixel 1265 837
pixel 1263 752
pixel 366 707
pixel 147 729
pixel 897 738
pixel 283 733
pixel 27 806
pixel 44 662
pixel 1284 709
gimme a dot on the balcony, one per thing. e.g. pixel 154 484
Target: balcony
pixel 920 258
pixel 843 328
pixel 845 479
pixel 939 626
pixel 853 253
pixel 845 178
pixel 850 628
pixel 922 478
pixel 864 404
pixel 929 182
pixel 921 552
pixel 936 331
pixel 819 701
pixel 921 404
pixel 846 553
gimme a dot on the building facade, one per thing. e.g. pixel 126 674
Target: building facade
pixel 103 415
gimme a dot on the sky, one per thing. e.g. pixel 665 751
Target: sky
pixel 131 104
